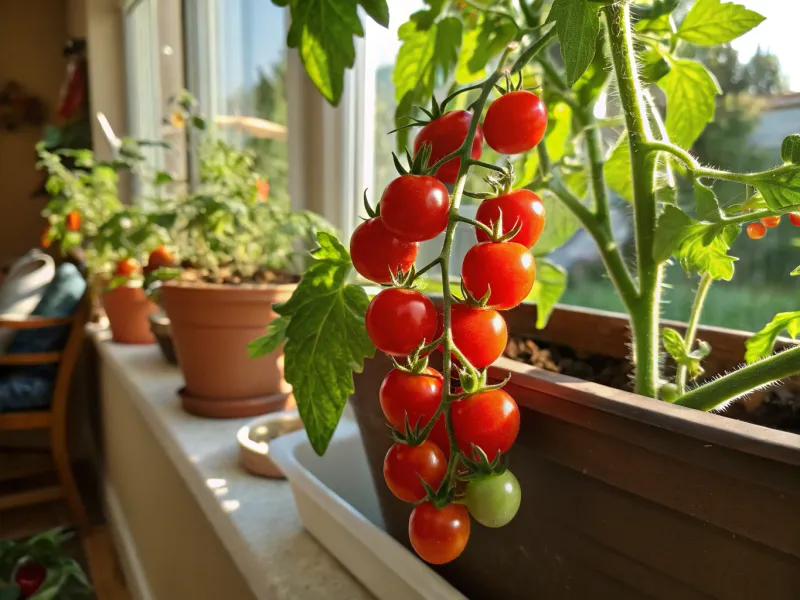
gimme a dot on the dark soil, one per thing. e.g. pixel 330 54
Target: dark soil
pixel 227 275
pixel 777 408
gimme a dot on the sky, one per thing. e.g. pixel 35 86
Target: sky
pixel 777 33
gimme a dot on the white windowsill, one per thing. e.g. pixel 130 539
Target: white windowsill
pixel 256 519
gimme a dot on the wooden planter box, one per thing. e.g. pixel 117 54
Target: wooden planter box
pixel 623 496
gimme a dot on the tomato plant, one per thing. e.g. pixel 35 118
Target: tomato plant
pixel 439 535
pixel 406 467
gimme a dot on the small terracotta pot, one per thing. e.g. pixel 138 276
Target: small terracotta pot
pixel 159 325
pixel 128 310
pixel 211 327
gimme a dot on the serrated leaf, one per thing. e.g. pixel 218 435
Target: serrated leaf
pixel 790 149
pixel 711 22
pixel 617 168
pixel 326 339
pixel 378 10
pixel 577 25
pixel 674 344
pixel 271 341
pixel 706 204
pixel 551 282
pixel 561 224
pixel 779 187
pixel 690 89
pixel 761 344
pixel 323 31
pixel 479 46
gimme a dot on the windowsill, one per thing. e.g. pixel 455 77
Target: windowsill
pixel 254 518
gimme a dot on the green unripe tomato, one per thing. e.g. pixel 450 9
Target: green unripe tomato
pixel 494 500
pixel 669 392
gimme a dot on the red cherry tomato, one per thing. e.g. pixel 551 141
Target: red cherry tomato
pixel 407 394
pixel 756 231
pixel 160 257
pixel 262 189
pixel 44 239
pixel 479 333
pixel 127 267
pixel 73 221
pixel 489 419
pixel 520 206
pixel 794 219
pixel 399 319
pixel 415 208
pixel 507 268
pixel 376 252
pixel 446 134
pixel 439 535
pixel 404 465
pixel 515 122
pixel 770 222
pixel 29 578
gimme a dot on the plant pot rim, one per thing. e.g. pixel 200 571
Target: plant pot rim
pixel 714 429
pixel 202 286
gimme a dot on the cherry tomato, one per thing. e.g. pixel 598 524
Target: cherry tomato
pixel 73 221
pixel 44 239
pixel 756 231
pixel 507 268
pixel 415 208
pixel 489 419
pixel 160 257
pixel 794 219
pixel 30 577
pixel 439 535
pixel 479 333
pixel 494 500
pixel 376 252
pixel 520 206
pixel 404 465
pixel 407 394
pixel 446 134
pixel 770 222
pixel 399 319
pixel 262 189
pixel 127 267
pixel 515 122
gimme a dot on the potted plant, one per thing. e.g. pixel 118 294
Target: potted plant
pixel 86 216
pixel 240 255
pixel 624 494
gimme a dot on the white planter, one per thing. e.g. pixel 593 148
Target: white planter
pixel 338 505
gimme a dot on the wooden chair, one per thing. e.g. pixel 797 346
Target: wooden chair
pixel 55 417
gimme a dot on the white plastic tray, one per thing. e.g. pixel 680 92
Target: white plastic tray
pixel 339 506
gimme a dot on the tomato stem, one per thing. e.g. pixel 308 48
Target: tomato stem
pixel 486 229
pixel 691 329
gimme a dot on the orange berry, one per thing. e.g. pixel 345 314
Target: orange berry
pixel 770 222
pixel 44 240
pixel 794 219
pixel 263 189
pixel 756 231
pixel 73 221
pixel 127 267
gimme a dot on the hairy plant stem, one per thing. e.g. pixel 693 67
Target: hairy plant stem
pixel 742 381
pixel 645 311
pixel 691 329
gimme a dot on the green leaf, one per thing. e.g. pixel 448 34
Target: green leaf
pixel 790 149
pixel 577 25
pixel 559 125
pixel 617 168
pixel 795 272
pixel 761 344
pixel 711 22
pixel 561 224
pixel 690 89
pixel 779 187
pixel 674 344
pixel 322 31
pixel 526 167
pixel 706 203
pixel 577 182
pixel 593 81
pixel 162 177
pixel 479 46
pixel 326 339
pixel 9 592
pixel 699 247
pixel 551 282
pixel 271 341
pixel 199 122
pixel 378 10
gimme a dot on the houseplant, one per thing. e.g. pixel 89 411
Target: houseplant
pixel 240 254
pixel 647 469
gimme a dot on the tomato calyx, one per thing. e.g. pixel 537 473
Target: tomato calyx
pixel 371 212
pixel 474 381
pixel 511 87
pixel 480 466
pixel 416 165
pixel 440 498
pixel 472 301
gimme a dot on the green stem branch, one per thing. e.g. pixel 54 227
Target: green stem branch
pixel 691 329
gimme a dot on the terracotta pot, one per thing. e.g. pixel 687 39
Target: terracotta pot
pixel 211 327
pixel 128 310
pixel 622 496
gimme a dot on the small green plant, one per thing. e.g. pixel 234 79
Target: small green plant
pixel 38 569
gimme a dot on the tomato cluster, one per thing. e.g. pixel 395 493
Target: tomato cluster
pixel 447 455
pixel 758 229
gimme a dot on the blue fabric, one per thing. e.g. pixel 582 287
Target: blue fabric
pixel 31 387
